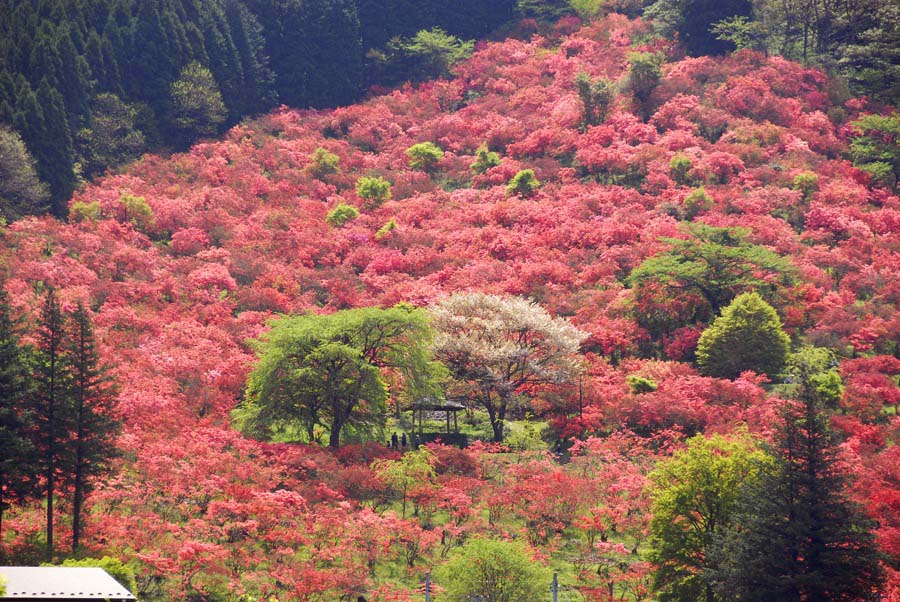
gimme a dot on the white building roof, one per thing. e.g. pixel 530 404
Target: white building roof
pixel 61 582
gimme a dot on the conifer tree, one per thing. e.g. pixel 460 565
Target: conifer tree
pixel 17 459
pixel 93 427
pixel 798 537
pixel 52 407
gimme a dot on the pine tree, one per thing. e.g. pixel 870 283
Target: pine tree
pixel 93 424
pixel 798 537
pixel 17 459
pixel 52 407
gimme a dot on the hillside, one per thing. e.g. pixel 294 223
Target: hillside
pixel 184 259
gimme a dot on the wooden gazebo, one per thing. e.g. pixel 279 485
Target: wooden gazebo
pixel 423 406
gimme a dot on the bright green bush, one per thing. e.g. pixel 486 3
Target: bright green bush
pixel 484 159
pixel 138 211
pixel 639 384
pixel 807 183
pixel 386 229
pixel 697 202
pixel 323 163
pixel 500 571
pixel 424 156
pixel 374 190
pixel 341 214
pixel 81 212
pixel 680 166
pixel 523 184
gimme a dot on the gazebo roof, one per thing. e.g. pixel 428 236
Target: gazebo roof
pixel 58 583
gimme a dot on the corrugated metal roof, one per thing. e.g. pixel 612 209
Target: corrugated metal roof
pixel 61 582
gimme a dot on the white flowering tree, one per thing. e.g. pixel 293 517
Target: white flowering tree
pixel 495 347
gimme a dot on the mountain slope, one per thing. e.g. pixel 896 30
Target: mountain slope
pixel 184 259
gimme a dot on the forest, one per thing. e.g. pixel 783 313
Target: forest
pixel 654 280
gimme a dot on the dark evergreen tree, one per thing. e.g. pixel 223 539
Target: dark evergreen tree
pixel 701 15
pixel 52 405
pixel 52 148
pixel 256 90
pixel 17 454
pixel 798 537
pixel 94 426
pixel 315 50
pixel 74 79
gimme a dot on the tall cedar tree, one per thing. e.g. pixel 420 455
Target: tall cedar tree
pixel 798 537
pixel 52 404
pixel 94 427
pixel 17 459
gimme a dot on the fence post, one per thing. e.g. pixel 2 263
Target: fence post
pixel 428 587
pixel 555 588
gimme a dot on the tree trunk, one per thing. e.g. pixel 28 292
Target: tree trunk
pixel 51 465
pixel 334 437
pixel 78 498
pixel 50 514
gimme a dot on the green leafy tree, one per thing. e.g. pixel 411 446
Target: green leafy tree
pixel 488 569
pixel 523 184
pixel 93 426
pixel 596 97
pixel 797 535
pixel 740 31
pixel 484 159
pixel 196 106
pixel 112 138
pixel 415 468
pixel 697 202
pixel 424 156
pixel 701 274
pixel 328 370
pixel 644 73
pixel 429 54
pixel 341 214
pixel 323 163
pixel 812 373
pixel 495 346
pixel 747 336
pixel 807 183
pixel 21 192
pixel 680 167
pixel 374 190
pixel 876 149
pixel 694 495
